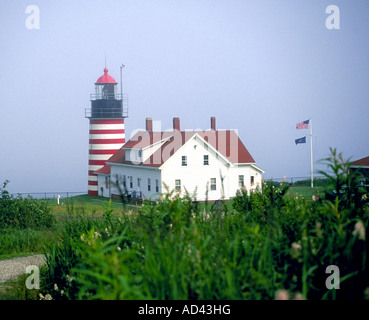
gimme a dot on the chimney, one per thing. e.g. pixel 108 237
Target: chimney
pixel 149 124
pixel 212 123
pixel 176 124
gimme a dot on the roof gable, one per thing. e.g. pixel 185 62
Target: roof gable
pixel 104 170
pixel 361 162
pixel 226 142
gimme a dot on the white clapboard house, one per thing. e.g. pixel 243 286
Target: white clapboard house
pixel 211 164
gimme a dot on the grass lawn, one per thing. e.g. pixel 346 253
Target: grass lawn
pixel 96 206
pixel 87 206
pixel 306 192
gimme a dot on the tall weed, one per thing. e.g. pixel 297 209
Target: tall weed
pixel 266 241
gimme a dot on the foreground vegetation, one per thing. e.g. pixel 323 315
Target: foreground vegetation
pixel 261 245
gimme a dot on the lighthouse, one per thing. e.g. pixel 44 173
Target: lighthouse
pixel 106 130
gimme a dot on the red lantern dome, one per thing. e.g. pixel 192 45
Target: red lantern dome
pixel 106 78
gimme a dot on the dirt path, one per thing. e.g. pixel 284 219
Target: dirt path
pixel 13 268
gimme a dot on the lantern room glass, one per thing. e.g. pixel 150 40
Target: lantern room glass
pixel 106 91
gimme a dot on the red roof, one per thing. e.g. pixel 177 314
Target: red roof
pixel 105 79
pixel 361 162
pixel 104 170
pixel 226 142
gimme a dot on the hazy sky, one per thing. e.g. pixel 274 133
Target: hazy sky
pixel 257 66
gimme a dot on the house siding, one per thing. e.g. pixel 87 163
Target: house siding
pixel 196 177
pixel 103 188
pixel 142 173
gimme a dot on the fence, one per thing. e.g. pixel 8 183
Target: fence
pixel 293 179
pixel 49 195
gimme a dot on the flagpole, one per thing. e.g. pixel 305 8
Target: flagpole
pixel 311 154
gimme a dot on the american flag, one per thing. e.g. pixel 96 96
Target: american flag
pixel 303 125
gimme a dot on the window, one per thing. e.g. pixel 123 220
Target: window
pixel 106 182
pixel 184 160
pixel 138 182
pixel 124 182
pixel 148 184
pixel 213 184
pixel 241 181
pixel 206 160
pixel 157 185
pixel 252 180
pixel 178 185
pixel 131 182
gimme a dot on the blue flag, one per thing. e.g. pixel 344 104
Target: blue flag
pixel 300 140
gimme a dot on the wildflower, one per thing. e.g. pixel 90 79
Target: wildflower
pixel 298 296
pixel 359 230
pixel 62 292
pixel 69 278
pixel 107 232
pixel 119 249
pixel 295 250
pixel 318 229
pixel 41 296
pixel 56 287
pixel 281 294
pixel 48 297
pixel 315 198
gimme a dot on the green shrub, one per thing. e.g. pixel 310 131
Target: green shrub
pixel 18 212
pixel 15 241
pixel 266 241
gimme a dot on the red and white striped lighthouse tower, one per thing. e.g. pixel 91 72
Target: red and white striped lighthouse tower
pixel 107 134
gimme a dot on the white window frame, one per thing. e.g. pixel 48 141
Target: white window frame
pixel 178 185
pixel 241 180
pixel 213 184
